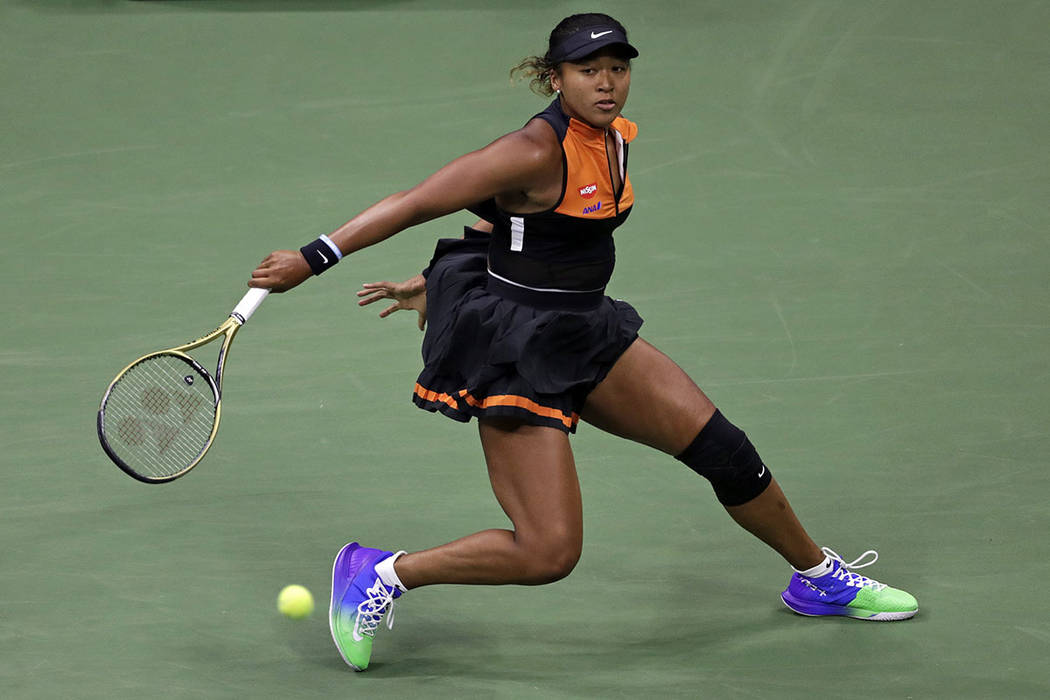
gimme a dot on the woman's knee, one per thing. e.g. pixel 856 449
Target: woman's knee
pixel 552 561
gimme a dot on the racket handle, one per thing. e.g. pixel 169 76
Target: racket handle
pixel 248 304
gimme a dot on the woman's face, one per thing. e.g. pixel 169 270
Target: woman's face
pixel 594 90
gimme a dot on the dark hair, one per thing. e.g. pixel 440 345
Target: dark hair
pixel 540 68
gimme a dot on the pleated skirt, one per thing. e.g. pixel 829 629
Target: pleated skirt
pixel 487 354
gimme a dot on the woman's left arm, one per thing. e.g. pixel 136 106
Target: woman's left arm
pixel 410 294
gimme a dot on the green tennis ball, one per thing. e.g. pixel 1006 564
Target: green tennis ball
pixel 295 602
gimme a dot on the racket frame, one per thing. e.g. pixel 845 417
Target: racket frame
pixel 240 314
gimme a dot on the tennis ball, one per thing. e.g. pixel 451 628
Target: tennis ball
pixel 295 602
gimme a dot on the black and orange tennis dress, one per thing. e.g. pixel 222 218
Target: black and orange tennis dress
pixel 518 321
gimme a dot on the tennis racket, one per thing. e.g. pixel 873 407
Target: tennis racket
pixel 159 416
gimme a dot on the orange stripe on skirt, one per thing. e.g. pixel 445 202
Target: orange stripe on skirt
pixel 512 400
pixel 429 395
pixel 524 403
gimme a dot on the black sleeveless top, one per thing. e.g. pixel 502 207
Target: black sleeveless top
pixel 566 251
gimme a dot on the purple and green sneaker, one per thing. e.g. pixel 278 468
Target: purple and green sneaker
pixel 359 601
pixel 843 592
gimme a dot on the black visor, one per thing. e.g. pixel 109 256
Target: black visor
pixel 588 40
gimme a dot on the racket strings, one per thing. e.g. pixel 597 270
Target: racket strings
pixel 159 415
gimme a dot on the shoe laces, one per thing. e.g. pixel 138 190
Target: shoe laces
pixel 850 578
pixel 370 612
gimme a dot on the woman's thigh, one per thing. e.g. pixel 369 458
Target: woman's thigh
pixel 533 476
pixel 648 398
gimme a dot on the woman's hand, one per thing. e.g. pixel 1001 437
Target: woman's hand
pixel 280 271
pixel 410 294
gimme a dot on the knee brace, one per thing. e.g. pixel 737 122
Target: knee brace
pixel 723 455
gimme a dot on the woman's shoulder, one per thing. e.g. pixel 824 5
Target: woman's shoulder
pixel 628 129
pixel 534 143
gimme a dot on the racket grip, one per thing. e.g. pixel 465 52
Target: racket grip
pixel 248 304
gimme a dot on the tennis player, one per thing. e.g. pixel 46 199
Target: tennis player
pixel 521 336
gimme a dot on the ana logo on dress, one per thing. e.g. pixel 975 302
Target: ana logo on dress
pixel 589 191
pixel 592 209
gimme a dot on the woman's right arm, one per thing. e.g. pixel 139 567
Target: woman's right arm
pixel 522 161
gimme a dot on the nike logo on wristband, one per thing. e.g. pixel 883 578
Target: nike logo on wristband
pixel 323 258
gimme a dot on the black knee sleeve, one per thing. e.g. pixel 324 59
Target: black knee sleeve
pixel 723 455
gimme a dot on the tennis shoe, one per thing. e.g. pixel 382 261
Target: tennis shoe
pixel 843 592
pixel 360 599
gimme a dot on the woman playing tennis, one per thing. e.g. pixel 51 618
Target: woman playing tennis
pixel 521 337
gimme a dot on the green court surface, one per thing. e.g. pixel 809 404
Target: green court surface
pixel 841 234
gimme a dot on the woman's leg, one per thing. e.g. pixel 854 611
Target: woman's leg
pixel 649 399
pixel 533 476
